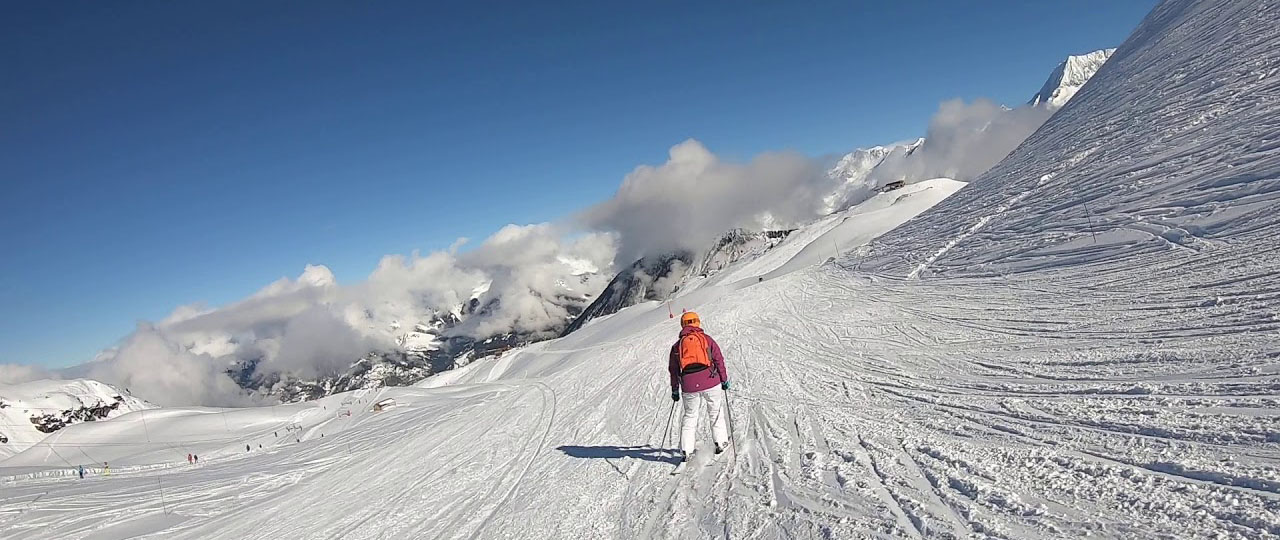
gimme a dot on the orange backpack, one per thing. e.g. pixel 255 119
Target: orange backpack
pixel 695 353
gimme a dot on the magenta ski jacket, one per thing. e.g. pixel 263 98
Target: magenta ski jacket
pixel 698 380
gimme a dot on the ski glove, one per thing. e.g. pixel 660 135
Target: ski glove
pixel 675 395
pixel 724 385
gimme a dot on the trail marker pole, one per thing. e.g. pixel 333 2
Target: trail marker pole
pixel 145 431
pixel 1089 213
pixel 163 504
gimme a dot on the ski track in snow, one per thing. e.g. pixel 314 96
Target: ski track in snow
pixel 1008 365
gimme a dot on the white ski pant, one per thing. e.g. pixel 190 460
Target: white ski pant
pixel 714 399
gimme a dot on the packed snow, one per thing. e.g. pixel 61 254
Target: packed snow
pixel 1081 342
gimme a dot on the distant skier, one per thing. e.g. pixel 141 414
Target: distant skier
pixel 106 469
pixel 195 458
pixel 189 460
pixel 697 368
pixel 82 472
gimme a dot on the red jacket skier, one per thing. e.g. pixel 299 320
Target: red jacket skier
pixel 699 376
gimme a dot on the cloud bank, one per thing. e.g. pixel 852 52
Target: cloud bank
pixel 312 326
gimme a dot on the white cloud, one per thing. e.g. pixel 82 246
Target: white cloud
pixel 17 373
pixel 695 196
pixel 158 369
pixel 964 140
pixel 529 266
pixel 319 342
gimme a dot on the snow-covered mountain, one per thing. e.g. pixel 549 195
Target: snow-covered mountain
pixel 31 411
pixel 656 278
pixel 861 173
pixel 1068 78
pixel 853 172
pixel 440 342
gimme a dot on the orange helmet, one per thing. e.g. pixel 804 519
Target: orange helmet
pixel 690 318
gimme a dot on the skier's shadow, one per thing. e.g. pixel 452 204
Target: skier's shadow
pixel 646 453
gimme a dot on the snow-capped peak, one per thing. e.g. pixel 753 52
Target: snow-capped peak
pixel 578 266
pixel 1068 78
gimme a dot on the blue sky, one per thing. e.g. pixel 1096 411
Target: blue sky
pixel 160 154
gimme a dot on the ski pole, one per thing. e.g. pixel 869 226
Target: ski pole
pixel 733 443
pixel 667 433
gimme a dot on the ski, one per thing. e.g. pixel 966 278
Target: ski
pixel 683 463
pixel 714 459
pixel 700 461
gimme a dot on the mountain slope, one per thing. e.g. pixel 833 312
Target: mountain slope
pixel 31 411
pixel 855 173
pixel 657 278
pixel 649 279
pixel 1170 157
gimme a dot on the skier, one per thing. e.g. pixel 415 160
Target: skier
pixel 189 461
pixel 106 469
pixel 82 472
pixel 195 458
pixel 697 368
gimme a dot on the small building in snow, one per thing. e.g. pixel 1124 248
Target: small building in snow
pixel 384 404
pixel 892 186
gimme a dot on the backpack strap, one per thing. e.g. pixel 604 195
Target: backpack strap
pixel 712 358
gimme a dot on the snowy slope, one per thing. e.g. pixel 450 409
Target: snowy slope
pixel 1069 76
pixel 1026 383
pixel 1167 158
pixel 30 411
pixel 874 217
